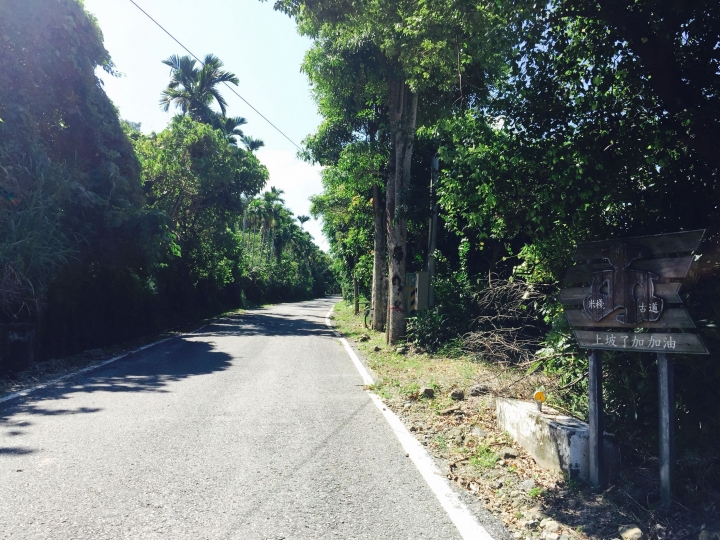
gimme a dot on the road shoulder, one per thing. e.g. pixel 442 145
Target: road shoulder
pixel 471 518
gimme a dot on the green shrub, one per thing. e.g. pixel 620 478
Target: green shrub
pixel 450 318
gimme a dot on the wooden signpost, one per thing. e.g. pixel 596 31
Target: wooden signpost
pixel 624 295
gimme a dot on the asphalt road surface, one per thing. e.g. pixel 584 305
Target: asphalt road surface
pixel 255 427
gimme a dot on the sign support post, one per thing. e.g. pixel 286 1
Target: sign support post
pixel 624 296
pixel 667 418
pixel 596 444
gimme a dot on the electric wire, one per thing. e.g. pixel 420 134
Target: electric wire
pixel 176 40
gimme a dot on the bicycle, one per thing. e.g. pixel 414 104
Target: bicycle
pixel 368 317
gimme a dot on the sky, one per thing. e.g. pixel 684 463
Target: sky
pixel 258 44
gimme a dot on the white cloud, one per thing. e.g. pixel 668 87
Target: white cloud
pixel 299 180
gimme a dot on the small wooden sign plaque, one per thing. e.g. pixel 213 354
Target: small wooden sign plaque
pixel 618 286
pixel 674 343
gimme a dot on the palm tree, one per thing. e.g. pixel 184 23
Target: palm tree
pixel 231 127
pixel 303 220
pixel 272 208
pixel 283 230
pixel 193 89
pixel 252 144
pixel 302 243
pixel 255 212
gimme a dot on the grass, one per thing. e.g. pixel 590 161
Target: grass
pixel 441 442
pixel 535 492
pixel 572 483
pixel 484 458
pixel 399 378
pixel 403 375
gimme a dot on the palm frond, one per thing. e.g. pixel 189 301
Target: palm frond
pixel 173 61
pixel 193 90
pixel 219 99
pixel 252 144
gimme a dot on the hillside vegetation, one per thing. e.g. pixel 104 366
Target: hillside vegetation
pixel 107 234
pixel 552 124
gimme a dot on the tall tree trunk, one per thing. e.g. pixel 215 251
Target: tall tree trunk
pixel 253 237
pixel 262 247
pixel 403 115
pixel 378 293
pixel 394 117
pixel 356 290
pixel 432 238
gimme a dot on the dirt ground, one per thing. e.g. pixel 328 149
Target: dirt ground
pixel 462 432
pixel 531 501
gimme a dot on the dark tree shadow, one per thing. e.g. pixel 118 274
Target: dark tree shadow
pixel 148 371
pixel 262 323
pixel 15 451
pixel 154 369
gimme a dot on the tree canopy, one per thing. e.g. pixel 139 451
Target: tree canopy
pixel 553 124
pixel 107 233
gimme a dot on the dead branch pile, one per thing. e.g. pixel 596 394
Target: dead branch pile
pixel 507 332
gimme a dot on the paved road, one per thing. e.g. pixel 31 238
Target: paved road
pixel 256 427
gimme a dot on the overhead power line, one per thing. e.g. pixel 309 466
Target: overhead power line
pixel 176 40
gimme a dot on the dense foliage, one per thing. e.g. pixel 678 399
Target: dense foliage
pixel 109 234
pixel 554 124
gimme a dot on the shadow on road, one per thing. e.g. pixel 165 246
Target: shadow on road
pixel 155 369
pixel 151 371
pixel 15 450
pixel 262 323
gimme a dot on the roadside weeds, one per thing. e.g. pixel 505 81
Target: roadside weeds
pixel 530 501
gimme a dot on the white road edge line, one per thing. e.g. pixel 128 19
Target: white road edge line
pixel 465 522
pixel 28 391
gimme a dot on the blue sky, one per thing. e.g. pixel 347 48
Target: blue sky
pixel 256 43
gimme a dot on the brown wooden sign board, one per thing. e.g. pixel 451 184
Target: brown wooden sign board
pixel 619 286
pixel 630 283
pixel 675 268
pixel 680 242
pixel 574 296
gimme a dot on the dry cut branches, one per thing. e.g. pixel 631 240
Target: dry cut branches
pixel 507 331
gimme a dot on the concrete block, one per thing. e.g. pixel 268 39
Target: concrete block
pixel 557 443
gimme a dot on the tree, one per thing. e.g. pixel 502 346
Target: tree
pixel 347 223
pixel 201 182
pixel 426 49
pixel 676 45
pixel 70 194
pixel 231 127
pixel 555 123
pixel 193 90
pixel 303 220
pixel 348 81
pixel 291 265
pixel 252 144
pixel 576 145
